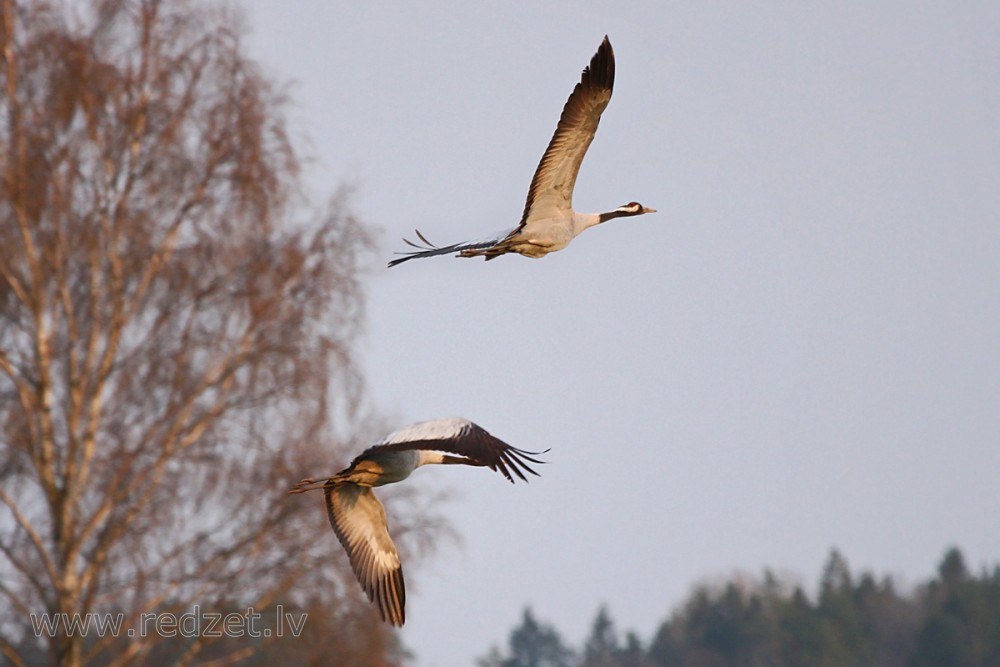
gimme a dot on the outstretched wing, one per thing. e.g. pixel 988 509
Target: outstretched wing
pixel 551 191
pixel 358 519
pixel 457 435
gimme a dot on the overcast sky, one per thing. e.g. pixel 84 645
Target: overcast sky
pixel 799 351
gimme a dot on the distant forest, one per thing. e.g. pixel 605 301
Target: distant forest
pixel 952 620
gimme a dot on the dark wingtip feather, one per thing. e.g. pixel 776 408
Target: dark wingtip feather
pixel 390 598
pixel 601 71
pixel 517 460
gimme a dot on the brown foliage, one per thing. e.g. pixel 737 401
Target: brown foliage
pixel 169 333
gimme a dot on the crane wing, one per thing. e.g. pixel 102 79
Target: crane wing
pixel 358 519
pixel 457 435
pixel 551 191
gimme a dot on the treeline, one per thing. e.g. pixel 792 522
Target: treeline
pixel 953 619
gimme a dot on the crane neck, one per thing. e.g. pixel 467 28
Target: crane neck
pixel 604 217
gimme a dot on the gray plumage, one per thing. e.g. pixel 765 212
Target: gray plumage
pixel 358 518
pixel 549 222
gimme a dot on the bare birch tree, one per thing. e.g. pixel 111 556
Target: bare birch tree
pixel 173 330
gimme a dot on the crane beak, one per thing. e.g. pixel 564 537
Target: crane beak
pixel 648 210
